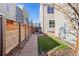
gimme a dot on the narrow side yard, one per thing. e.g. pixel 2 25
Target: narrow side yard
pixel 31 47
pixel 53 46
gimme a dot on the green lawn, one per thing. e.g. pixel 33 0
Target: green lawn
pixel 46 43
pixel 62 44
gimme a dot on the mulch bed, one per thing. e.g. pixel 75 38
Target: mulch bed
pixel 17 50
pixel 61 52
pixel 64 52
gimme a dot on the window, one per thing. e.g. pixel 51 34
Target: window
pixel 51 23
pixel 50 9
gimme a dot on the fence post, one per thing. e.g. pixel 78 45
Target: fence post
pixel 2 35
pixel 19 35
pixel 25 31
pixel 28 30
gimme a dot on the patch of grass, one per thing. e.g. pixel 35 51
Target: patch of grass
pixel 62 46
pixel 46 43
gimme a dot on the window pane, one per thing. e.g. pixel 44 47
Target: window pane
pixel 50 9
pixel 51 23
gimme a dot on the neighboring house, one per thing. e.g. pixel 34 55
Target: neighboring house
pixel 37 27
pixel 51 19
pixel 26 20
pixel 21 14
pixel 55 22
pixel 12 12
pixel 8 10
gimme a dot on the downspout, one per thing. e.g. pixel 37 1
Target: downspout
pixel 43 18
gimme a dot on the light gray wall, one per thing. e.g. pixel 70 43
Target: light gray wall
pixel 25 16
pixel 45 17
pixel 19 14
pixel 9 14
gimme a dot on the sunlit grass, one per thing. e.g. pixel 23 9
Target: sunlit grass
pixel 46 43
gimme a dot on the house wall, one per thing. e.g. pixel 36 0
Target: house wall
pixel 45 17
pixel 59 21
pixel 12 12
pixel 41 16
pixel 19 15
pixel 9 10
pixel 25 17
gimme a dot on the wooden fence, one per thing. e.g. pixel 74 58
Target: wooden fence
pixel 12 34
pixel 22 32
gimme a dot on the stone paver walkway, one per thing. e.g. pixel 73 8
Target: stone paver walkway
pixel 31 47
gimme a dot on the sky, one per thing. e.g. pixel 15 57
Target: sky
pixel 33 11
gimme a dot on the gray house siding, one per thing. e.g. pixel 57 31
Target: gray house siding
pixel 19 15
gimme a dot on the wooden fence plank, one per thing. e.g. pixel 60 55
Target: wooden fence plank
pixel 22 33
pixel 12 35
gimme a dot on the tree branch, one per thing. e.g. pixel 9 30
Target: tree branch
pixel 73 9
pixel 70 32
